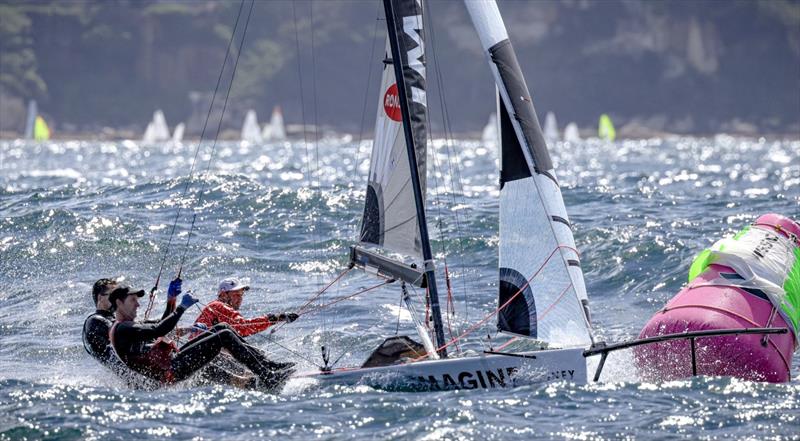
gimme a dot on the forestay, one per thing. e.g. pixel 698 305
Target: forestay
pixel 390 215
pixel 541 282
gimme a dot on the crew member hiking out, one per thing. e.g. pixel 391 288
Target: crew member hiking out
pixel 140 347
pixel 226 310
pixel 96 329
pixel 97 325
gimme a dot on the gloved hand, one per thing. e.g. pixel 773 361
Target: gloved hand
pixel 174 288
pixel 287 317
pixel 187 301
pixel 200 327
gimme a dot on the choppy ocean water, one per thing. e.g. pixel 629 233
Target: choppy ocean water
pixel 72 212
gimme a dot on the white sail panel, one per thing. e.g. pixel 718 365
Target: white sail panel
pixel 541 283
pixel 275 129
pixel 250 129
pixel 551 127
pixel 390 215
pixel 177 133
pixel 32 112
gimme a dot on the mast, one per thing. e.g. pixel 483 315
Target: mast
pixel 397 57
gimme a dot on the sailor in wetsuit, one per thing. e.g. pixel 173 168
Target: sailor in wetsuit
pixel 143 350
pixel 96 329
pixel 226 310
pixel 97 325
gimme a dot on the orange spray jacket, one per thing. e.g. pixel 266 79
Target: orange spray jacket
pixel 218 312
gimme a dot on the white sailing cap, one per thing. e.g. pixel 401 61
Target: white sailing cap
pixel 232 284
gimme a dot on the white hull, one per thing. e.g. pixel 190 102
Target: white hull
pixel 485 371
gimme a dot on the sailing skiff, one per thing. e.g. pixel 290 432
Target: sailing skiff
pixel 542 294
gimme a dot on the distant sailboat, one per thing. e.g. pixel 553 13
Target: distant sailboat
pixel 36 127
pixel 490 133
pixel 571 133
pixel 275 129
pixel 250 130
pixel 605 128
pixel 550 127
pixel 157 130
pixel 41 132
pixel 177 134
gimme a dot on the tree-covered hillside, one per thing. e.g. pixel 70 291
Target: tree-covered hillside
pixel 686 66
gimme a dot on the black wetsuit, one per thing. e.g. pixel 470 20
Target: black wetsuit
pixel 95 336
pixel 136 345
pixel 96 329
pixel 96 341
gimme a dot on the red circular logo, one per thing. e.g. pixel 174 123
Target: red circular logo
pixel 391 103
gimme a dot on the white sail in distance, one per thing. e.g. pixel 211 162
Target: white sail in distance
pixel 33 111
pixel 541 282
pixel 571 133
pixel 551 127
pixel 157 130
pixel 274 130
pixel 490 135
pixel 250 129
pixel 177 133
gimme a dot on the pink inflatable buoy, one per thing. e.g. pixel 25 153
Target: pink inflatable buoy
pixel 717 299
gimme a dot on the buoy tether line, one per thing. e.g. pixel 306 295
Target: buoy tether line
pixel 196 154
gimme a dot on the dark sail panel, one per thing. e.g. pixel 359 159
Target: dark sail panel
pixel 519 316
pixel 408 25
pixel 513 165
pixel 505 59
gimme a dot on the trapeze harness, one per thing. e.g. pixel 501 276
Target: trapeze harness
pixel 141 347
pixel 96 330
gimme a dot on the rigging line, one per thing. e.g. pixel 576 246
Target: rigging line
pixel 399 310
pixel 216 135
pixel 307 156
pixel 341 299
pixel 364 108
pixel 296 354
pixel 194 160
pixel 350 347
pixel 316 296
pixel 300 77
pixel 316 172
pixel 314 96
pixel 440 215
pixel 454 170
pixel 448 142
pixel 503 306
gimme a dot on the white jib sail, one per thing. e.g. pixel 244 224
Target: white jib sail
pixel 390 216
pixel 275 129
pixel 251 132
pixel 551 127
pixel 160 128
pixel 540 275
pixel 177 133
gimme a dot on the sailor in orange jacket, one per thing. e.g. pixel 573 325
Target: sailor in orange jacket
pixel 226 310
